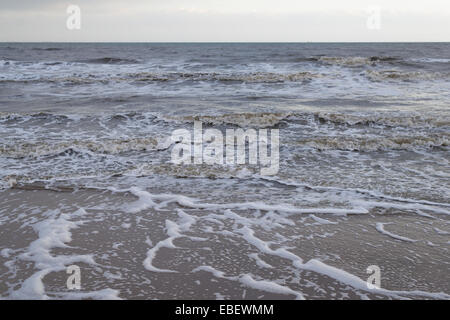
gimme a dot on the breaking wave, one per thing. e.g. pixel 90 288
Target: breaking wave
pixel 16 117
pixel 355 61
pixel 376 144
pixel 254 77
pixel 110 60
pixel 257 77
pixel 48 49
pixel 258 120
pixel 194 171
pixel 107 146
pixel 389 120
pixel 381 75
pixel 268 119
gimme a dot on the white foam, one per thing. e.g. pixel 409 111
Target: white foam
pixel 215 272
pixel 249 281
pixel 146 201
pixel 357 283
pixel 174 230
pixel 104 294
pixel 380 228
pixel 248 235
pixel 54 232
pixel 166 243
pixel 442 232
pixel 269 286
pixel 321 220
pixel 362 206
pixel 333 272
pixel 5 252
pixel 259 261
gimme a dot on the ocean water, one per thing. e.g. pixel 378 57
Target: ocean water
pixel 86 177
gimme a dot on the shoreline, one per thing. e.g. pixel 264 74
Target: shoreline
pixel 107 227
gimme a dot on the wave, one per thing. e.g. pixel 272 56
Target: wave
pixel 63 80
pixel 377 144
pixel 255 77
pixel 260 120
pixel 16 117
pixel 356 61
pixel 73 147
pixel 372 74
pixel 375 75
pixel 34 64
pixel 48 49
pixel 194 171
pixel 11 117
pixel 431 60
pixel 110 60
pixel 257 120
pixel 270 119
pixel 388 120
pixel 349 61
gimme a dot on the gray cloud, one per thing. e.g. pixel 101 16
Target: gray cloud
pixel 201 20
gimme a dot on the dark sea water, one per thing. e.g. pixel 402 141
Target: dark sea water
pixel 117 76
pixel 364 150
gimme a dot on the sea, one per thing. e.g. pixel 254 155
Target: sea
pixel 86 177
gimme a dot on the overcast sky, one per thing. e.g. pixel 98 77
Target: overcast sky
pixel 227 20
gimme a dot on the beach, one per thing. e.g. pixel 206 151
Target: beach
pixel 87 176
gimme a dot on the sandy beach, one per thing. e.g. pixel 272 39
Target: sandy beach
pixel 130 248
pixel 93 174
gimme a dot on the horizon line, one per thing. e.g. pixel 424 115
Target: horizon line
pixel 225 41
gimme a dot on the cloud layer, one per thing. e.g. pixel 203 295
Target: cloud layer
pixel 231 20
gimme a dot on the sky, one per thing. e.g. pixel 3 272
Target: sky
pixel 225 20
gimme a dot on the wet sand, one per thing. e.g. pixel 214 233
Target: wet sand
pixel 129 249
